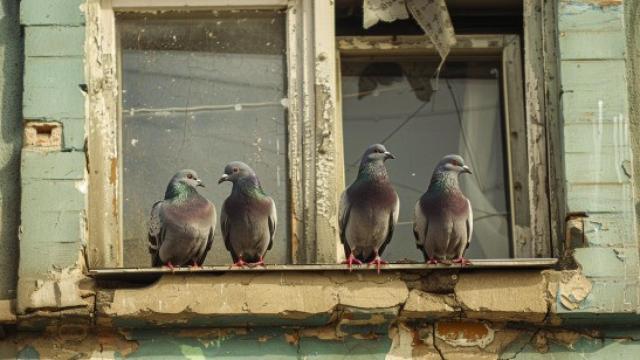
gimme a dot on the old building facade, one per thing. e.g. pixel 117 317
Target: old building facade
pixel 89 87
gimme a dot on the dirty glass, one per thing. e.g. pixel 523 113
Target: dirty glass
pixel 200 90
pixel 396 101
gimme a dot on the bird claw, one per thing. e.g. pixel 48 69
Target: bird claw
pixel 194 266
pixel 170 266
pixel 240 263
pixel 462 261
pixel 258 263
pixel 352 260
pixel 378 261
pixel 433 261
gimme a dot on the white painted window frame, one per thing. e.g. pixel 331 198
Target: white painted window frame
pixel 103 107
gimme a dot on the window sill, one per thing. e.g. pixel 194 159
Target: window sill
pixel 318 295
pixel 126 273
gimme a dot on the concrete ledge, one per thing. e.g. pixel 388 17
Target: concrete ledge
pixel 252 298
pixel 503 296
pixel 7 312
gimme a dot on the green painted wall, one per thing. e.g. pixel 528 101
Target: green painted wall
pixel 10 143
pixel 596 68
pixel 53 195
pixel 598 151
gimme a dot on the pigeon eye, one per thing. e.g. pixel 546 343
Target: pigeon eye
pixel 189 176
pixel 235 170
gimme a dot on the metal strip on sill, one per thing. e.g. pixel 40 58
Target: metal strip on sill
pixel 476 264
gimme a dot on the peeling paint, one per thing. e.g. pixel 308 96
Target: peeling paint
pixel 465 333
pixel 573 290
pixel 61 289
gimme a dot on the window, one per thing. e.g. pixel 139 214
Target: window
pixel 269 82
pixel 391 96
pixel 199 90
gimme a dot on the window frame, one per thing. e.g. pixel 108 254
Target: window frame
pixel 314 131
pixel 517 145
pixel 105 243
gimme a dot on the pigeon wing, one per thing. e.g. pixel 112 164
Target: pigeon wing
pixel 156 232
pixel 393 220
pixel 210 236
pixel 420 228
pixel 224 227
pixel 469 224
pixel 273 222
pixel 343 215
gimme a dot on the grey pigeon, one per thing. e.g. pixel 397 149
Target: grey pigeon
pixel 248 219
pixel 182 225
pixel 443 218
pixel 369 210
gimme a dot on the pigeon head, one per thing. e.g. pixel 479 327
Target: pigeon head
pixel 187 177
pixel 236 170
pixel 453 164
pixel 183 184
pixel 376 152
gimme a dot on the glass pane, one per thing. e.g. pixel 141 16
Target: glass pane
pixel 392 101
pixel 200 90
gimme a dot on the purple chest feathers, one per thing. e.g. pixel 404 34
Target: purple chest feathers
pixel 372 195
pixel 449 203
pixel 242 205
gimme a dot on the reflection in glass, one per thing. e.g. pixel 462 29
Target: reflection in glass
pixel 392 101
pixel 199 90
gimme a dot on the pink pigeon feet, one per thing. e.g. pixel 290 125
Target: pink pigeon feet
pixel 378 261
pixel 258 263
pixel 433 261
pixel 352 260
pixel 462 261
pixel 240 263
pixel 170 266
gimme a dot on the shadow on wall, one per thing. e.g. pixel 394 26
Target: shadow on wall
pixel 11 55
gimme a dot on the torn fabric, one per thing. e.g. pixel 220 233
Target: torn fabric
pixel 432 16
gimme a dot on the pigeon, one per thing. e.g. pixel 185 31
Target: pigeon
pixel 443 218
pixel 248 219
pixel 369 210
pixel 182 225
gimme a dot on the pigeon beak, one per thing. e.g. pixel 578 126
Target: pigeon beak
pixel 200 183
pixel 388 155
pixel 223 178
pixel 466 169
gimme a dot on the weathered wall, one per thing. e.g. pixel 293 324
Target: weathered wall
pixel 397 315
pixel 53 163
pixel 10 143
pixel 433 315
pixel 599 159
pixel 441 340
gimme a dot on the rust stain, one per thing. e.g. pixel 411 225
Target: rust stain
pixel 113 175
pixel 604 3
pixel 112 180
pixel 292 338
pixel 452 330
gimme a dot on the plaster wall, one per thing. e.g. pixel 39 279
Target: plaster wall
pixel 500 314
pixel 10 143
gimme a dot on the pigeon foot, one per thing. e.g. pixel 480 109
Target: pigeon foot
pixel 258 263
pixel 194 266
pixel 240 263
pixel 462 261
pixel 352 260
pixel 170 266
pixel 378 261
pixel 433 261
